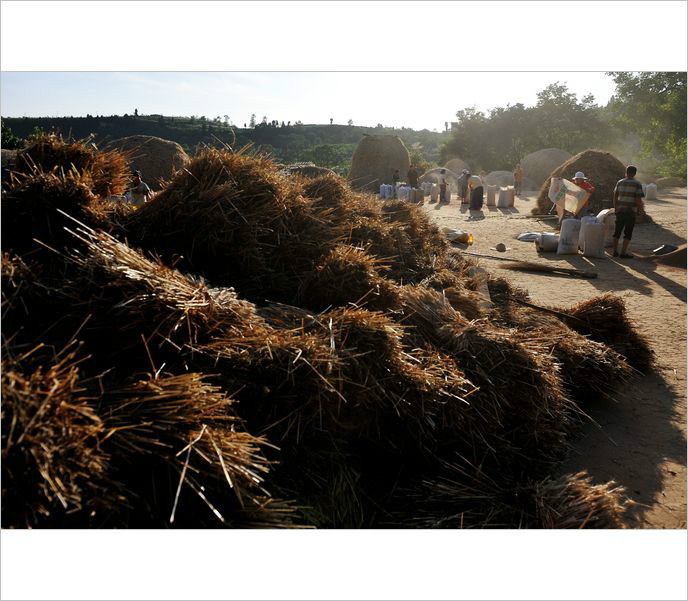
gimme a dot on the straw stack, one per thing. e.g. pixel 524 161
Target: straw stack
pixel 250 349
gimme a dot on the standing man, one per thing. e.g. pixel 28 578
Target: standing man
pixel 139 193
pixel 628 201
pixel 463 185
pixel 518 179
pixel 443 188
pixel 412 176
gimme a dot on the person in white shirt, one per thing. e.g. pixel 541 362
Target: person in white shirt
pixel 139 193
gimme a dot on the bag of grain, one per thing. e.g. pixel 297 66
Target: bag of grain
pixel 547 242
pixel 608 218
pixel 568 237
pixel 651 192
pixel 491 192
pixel 511 192
pixel 585 221
pixel 593 244
pixel 503 198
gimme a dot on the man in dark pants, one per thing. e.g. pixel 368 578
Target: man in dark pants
pixel 412 176
pixel 628 200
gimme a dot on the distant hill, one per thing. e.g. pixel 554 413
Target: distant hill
pixel 325 145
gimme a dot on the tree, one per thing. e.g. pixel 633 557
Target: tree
pixel 350 122
pixel 9 139
pixel 252 122
pixel 652 105
pixel 264 121
pixel 418 159
pixel 331 120
pixel 501 137
pixel 136 112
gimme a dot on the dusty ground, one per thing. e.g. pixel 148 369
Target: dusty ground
pixel 640 441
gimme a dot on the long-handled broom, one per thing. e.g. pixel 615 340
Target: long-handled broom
pixel 516 265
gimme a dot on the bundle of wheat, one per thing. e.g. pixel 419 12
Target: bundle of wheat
pixel 463 495
pixel 192 458
pixel 35 204
pixel 53 463
pixel 604 319
pixel 347 275
pixel 105 173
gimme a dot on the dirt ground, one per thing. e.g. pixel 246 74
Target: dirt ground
pixel 640 440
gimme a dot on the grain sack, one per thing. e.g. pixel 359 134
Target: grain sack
pixel 585 221
pixel 568 237
pixel 608 218
pixel 566 195
pixel 511 194
pixel 491 192
pixel 547 242
pixel 593 244
pixel 651 192
pixel 504 198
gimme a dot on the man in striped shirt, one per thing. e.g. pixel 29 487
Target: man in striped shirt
pixel 628 200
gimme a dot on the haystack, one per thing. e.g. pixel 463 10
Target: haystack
pixel 155 158
pixel 663 183
pixel 538 165
pixel 457 165
pixel 375 159
pixel 433 176
pixel 602 168
pixel 499 178
pixel 308 170
pixel 9 158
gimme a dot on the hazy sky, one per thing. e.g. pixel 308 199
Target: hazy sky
pixel 417 100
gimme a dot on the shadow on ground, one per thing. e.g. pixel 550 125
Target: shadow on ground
pixel 619 448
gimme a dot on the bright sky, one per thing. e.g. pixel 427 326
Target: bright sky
pixel 416 100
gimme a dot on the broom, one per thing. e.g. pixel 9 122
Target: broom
pixel 517 265
pixel 554 270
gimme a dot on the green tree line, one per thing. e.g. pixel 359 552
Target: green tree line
pixel 650 106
